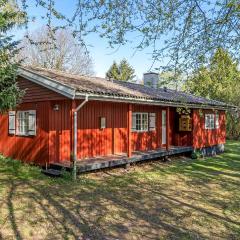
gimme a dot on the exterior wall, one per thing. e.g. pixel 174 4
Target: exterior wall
pixel 93 141
pixel 54 132
pixel 205 137
pixel 180 138
pixel 60 131
pixel 32 149
pixel 36 149
pixel 143 141
pixel 35 92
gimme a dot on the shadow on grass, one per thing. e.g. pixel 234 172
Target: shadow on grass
pixel 127 205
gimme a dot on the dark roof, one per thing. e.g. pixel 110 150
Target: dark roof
pixel 104 87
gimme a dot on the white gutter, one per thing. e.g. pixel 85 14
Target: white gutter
pixel 75 111
pixel 151 102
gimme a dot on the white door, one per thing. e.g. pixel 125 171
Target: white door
pixel 164 129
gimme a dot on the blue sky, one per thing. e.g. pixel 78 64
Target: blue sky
pixel 102 55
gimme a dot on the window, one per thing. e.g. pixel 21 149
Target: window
pixel 140 122
pixel 22 123
pixel 209 121
pixel 217 121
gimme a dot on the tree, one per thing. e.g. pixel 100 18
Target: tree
pixel 187 33
pixel 123 71
pixel 172 80
pixel 59 52
pixel 126 71
pixel 113 71
pixel 220 81
pixel 10 94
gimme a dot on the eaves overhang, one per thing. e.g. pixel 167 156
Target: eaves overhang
pixel 146 101
pixel 49 83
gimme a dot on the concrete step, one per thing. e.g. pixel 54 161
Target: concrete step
pixel 60 166
pixel 52 172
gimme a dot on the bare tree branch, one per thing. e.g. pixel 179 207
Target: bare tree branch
pixel 60 52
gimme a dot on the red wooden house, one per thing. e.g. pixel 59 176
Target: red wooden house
pixel 112 118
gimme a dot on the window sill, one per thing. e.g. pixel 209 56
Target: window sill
pixel 24 135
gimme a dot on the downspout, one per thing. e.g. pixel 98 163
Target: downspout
pixel 75 111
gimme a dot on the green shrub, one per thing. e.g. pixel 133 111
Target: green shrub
pixel 196 154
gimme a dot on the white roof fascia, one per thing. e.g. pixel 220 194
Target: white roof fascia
pixel 49 83
pixel 146 101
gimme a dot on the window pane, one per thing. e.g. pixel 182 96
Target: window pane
pixel 22 122
pixel 141 121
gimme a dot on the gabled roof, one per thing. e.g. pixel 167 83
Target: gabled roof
pixel 74 86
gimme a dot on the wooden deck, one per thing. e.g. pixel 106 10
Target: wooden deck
pixel 110 161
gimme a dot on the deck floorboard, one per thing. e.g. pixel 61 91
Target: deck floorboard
pixel 91 164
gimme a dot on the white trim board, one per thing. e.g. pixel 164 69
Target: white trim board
pixel 48 83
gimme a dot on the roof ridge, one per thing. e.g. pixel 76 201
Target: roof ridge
pixel 75 76
pixel 60 72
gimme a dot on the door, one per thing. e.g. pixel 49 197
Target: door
pixel 164 128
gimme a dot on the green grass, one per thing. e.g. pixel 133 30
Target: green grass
pixel 184 199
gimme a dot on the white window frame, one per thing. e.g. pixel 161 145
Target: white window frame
pixel 209 121
pixel 26 123
pixel 217 124
pixel 140 122
pixel 22 123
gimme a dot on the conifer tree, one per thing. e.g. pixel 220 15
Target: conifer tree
pixel 123 71
pixel 113 72
pixel 10 94
pixel 220 80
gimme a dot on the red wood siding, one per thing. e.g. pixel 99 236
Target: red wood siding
pixel 35 92
pixel 93 141
pixel 180 138
pixel 60 131
pixel 183 139
pixel 205 137
pixel 143 141
pixel 28 149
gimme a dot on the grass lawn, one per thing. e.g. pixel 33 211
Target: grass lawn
pixel 184 199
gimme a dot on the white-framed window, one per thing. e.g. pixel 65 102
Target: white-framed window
pixel 217 121
pixel 209 121
pixel 22 123
pixel 139 122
